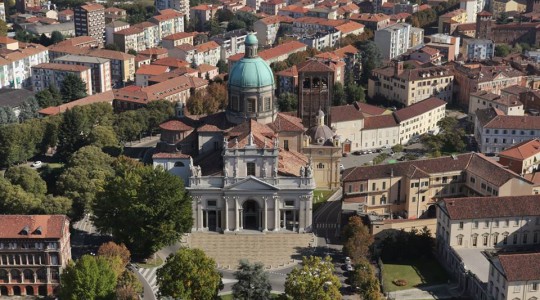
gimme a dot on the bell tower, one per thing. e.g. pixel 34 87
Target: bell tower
pixel 484 21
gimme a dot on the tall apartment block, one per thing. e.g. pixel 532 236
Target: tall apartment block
pixel 90 21
pixel 180 5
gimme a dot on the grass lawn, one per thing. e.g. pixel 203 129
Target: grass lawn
pixel 151 262
pixel 320 197
pixel 416 273
pixel 230 296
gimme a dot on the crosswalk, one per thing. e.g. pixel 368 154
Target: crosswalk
pixel 150 275
pixel 326 225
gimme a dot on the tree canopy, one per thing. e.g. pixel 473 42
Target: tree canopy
pixel 49 97
pixel 287 102
pixel 208 101
pixel 371 59
pixel 150 211
pixel 449 140
pixel 73 88
pixel 189 274
pixel 357 238
pixel 252 282
pixel 90 277
pixel 314 280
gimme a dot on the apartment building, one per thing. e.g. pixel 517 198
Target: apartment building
pixel 231 43
pixel 319 40
pixel 271 7
pixel 499 7
pixel 449 21
pixel 393 40
pixel 372 22
pixel 53 74
pixel 138 37
pixel 522 158
pixel 411 189
pixel 122 65
pixel 478 49
pixel 113 27
pixel 33 252
pixel 181 6
pixel 475 77
pixel 267 28
pixel 65 15
pixel 177 39
pixel 426 55
pixel 177 89
pixel 478 237
pixel 409 86
pixel 494 131
pixel 100 67
pixel 203 13
pixel 169 21
pixel 293 11
pixel 206 53
pixel 90 20
pixel 416 37
pixel 420 118
pixel 146 71
pixel 446 44
pixel 16 64
pixel 508 104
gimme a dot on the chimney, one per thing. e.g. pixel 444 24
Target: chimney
pixel 398 68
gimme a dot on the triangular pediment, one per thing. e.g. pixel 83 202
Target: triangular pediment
pixel 250 183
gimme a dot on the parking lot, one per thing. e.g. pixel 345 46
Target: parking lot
pixel 352 160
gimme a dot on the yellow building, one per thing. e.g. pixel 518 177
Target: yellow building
pixel 449 21
pixel 506 6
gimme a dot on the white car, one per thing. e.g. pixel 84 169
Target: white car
pixel 350 268
pixel 37 164
pixel 341 167
pixel 348 260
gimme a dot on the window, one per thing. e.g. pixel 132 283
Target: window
pixel 535 238
pixel 525 238
pixel 211 203
pixel 495 239
pixel 474 240
pixel 251 105
pixel 413 199
pixel 486 224
pixel 289 203
pixel 496 223
pixel 485 239
pixel 475 224
pixel 286 144
pixel 384 185
pixel 373 186
pixel 250 168
pixel 515 239
pixel 267 103
pixel 516 222
pixel 517 288
pixel 460 240
pixel 505 238
pixel 473 180
pixel 506 223
pixel 534 286
pixel 460 225
pixel 372 200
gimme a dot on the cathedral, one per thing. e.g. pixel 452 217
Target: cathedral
pixel 249 167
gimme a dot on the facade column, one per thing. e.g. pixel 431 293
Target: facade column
pixel 241 218
pixel 282 219
pixel 265 214
pixel 294 219
pixel 207 220
pixel 226 213
pixel 276 213
pixel 236 215
pixel 218 219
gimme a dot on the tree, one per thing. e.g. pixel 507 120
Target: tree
pixel 502 50
pixel 213 27
pixel 287 102
pixel 85 175
pixel 224 15
pixel 29 109
pixel 49 97
pixel 364 280
pixel 315 280
pixel 235 24
pixel 132 52
pixel 339 94
pixel 28 179
pixel 252 282
pixel 3 28
pixel 57 37
pixel 355 93
pixel 397 148
pixel 56 205
pixel 357 238
pixel 73 88
pixel 90 277
pixel 222 66
pixel 113 47
pixel 118 256
pixel 150 211
pixel 128 287
pixel 503 18
pixel 279 66
pixel 14 200
pixel 103 136
pixel 371 58
pixel 7 116
pixel 189 274
pixel 129 125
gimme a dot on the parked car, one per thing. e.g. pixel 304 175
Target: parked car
pixel 350 268
pixel 341 167
pixel 37 164
pixel 348 260
pixel 357 153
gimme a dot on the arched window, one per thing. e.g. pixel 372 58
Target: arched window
pixel 179 164
pixel 475 240
pixel 460 240
pixel 505 238
pixel 320 166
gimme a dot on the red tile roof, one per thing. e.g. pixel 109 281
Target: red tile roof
pixel 151 70
pixel 496 119
pixel 343 51
pixel 171 62
pixel 523 150
pixel 521 266
pixel 207 46
pixel 314 66
pixel 92 7
pixel 170 155
pixel 382 121
pixel 285 122
pixel 492 207
pixel 277 19
pixel 154 51
pixel 290 72
pixel 285 48
pixel 175 125
pixel 179 36
pixel 419 108
pixel 370 17
pixel 96 98
pixel 349 27
pixel 62 67
pixel 50 226
pixel 370 109
pixel 345 113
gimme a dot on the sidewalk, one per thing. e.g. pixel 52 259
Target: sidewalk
pixel 440 291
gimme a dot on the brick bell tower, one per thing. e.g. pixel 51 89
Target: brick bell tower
pixel 533 6
pixel 484 21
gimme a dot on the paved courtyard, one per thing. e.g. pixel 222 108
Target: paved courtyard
pixel 274 250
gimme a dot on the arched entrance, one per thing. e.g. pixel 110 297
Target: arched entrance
pixel 42 290
pixel 29 291
pixel 3 290
pixel 432 211
pixel 16 290
pixel 251 215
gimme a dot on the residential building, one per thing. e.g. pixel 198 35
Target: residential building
pixel 267 28
pixel 15 65
pixel 169 21
pixel 522 158
pixel 446 44
pixel 467 30
pixel 348 122
pixel 419 118
pixel 475 77
pixel 319 40
pixel 508 104
pixel 201 14
pixel 66 15
pixel 393 40
pixel 470 8
pixel 287 81
pixel 411 189
pixel 509 7
pixel 177 39
pixel 113 27
pixel 426 55
pixel 409 86
pixel 67 29
pixel 106 97
pixel 138 37
pixel 373 22
pixel 206 53
pixel 100 67
pixel 494 131
pixel 80 41
pixel 271 7
pixel 146 71
pixel 478 50
pixel 23 5
pixel 477 240
pixel 90 20
pixel 177 89
pixel 207 71
pixel 231 43
pixel 352 58
pixel 279 53
pixel 416 37
pixel 449 21
pixel 315 90
pixel 180 5
pixel 34 250
pixel 293 11
pixel 122 65
pixel 53 74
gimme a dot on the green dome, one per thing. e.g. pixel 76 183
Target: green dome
pixel 251 39
pixel 251 73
